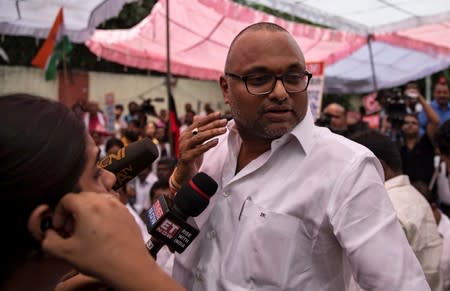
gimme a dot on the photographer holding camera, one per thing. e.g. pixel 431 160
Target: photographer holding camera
pixel 417 150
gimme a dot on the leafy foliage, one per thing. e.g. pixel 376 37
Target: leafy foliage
pixel 22 49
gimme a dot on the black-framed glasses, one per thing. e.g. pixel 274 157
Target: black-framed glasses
pixel 264 83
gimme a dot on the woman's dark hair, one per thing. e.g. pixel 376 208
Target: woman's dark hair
pixel 42 156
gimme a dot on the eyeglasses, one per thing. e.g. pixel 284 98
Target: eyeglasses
pixel 262 84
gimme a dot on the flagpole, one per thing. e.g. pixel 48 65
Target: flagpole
pixel 372 63
pixel 64 68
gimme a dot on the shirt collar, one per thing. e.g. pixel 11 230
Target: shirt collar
pixel 398 181
pixel 303 132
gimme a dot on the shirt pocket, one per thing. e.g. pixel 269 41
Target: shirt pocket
pixel 267 248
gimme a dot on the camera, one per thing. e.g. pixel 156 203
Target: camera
pixel 395 104
pixel 147 106
pixel 324 120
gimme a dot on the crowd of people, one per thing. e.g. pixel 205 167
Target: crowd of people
pixel 300 205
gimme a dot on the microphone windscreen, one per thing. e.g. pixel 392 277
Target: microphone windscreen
pixel 193 197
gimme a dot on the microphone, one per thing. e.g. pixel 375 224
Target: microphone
pixel 129 161
pixel 166 220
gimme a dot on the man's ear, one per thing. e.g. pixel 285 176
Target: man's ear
pixel 225 89
pixel 39 221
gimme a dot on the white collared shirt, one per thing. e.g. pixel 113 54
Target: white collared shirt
pixel 143 192
pixel 140 223
pixel 418 222
pixel 444 230
pixel 288 219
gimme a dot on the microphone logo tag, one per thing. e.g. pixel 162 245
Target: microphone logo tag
pixel 109 158
pixel 155 213
pixel 124 175
pixel 168 229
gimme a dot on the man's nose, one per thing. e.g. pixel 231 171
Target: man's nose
pixel 279 91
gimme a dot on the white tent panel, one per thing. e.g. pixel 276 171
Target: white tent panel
pixel 393 66
pixel 35 17
pixel 365 16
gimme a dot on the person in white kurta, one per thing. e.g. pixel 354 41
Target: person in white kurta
pixel 413 211
pixel 444 230
pixel 416 218
pixel 294 200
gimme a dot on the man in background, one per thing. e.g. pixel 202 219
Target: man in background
pixel 413 211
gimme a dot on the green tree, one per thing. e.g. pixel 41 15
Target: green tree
pixel 22 49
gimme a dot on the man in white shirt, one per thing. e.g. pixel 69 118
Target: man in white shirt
pixel 413 210
pixel 442 140
pixel 444 229
pixel 141 186
pixel 443 223
pixel 294 200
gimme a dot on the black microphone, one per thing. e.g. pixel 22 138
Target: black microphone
pixel 129 161
pixel 166 220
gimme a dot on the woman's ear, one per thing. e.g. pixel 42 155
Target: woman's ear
pixel 39 221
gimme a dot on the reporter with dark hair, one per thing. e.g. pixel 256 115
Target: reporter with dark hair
pixel 45 154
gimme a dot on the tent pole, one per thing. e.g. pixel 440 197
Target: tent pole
pixel 170 100
pixel 372 64
pixel 428 88
pixel 168 77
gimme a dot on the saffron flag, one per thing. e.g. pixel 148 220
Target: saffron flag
pixel 56 47
pixel 174 126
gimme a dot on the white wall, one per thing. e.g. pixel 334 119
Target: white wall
pixel 128 88
pixel 125 87
pixel 26 80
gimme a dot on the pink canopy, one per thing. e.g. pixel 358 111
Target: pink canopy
pixel 200 33
pixel 411 39
pixel 431 38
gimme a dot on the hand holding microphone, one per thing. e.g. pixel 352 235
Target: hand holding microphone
pixel 167 220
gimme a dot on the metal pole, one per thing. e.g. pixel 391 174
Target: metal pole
pixel 168 82
pixel 428 88
pixel 168 74
pixel 372 64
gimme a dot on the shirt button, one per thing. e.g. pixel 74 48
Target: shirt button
pixel 211 234
pixel 226 194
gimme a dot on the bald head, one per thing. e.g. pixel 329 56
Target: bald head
pixel 262 52
pixel 267 26
pixel 338 116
